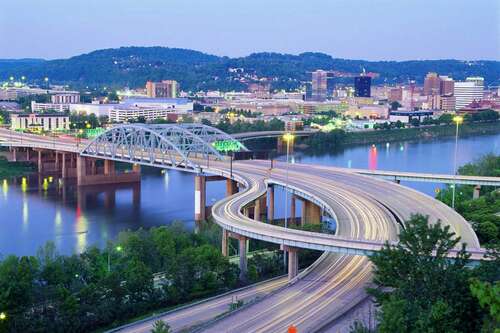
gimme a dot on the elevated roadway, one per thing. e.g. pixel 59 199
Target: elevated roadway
pixel 368 212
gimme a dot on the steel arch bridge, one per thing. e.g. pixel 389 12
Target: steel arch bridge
pixel 177 146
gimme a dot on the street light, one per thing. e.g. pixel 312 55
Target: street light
pixel 118 249
pixel 288 137
pixel 457 120
pixel 3 316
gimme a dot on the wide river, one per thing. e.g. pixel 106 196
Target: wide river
pixel 39 210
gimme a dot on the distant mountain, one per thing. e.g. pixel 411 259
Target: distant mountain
pixel 132 66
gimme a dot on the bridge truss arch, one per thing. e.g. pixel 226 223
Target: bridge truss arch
pixel 179 146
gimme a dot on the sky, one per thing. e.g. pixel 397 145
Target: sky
pixel 353 29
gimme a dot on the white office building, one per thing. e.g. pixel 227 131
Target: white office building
pixel 177 105
pixel 98 110
pixel 45 121
pixel 468 91
pixel 65 98
pixel 53 107
pixel 124 113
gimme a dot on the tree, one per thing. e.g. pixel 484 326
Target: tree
pixel 395 105
pixel 489 298
pixel 161 327
pixel 418 288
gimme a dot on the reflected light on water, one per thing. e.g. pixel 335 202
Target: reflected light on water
pixel 25 213
pixel 24 185
pixel 81 233
pixel 5 188
pixel 372 158
pixel 165 179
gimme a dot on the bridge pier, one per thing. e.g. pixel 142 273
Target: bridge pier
pixel 476 192
pixel 40 161
pixel 225 242
pixel 87 173
pixel 200 192
pixel 311 213
pixel 109 167
pixel 242 240
pixel 231 187
pixel 13 151
pixel 293 208
pixel 293 261
pixel 256 209
pixel 270 210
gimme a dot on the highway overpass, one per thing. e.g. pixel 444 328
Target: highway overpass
pixel 368 212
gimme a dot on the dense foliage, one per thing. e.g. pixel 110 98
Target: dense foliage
pixel 14 169
pixel 482 212
pixel 79 293
pixel 132 66
pixel 419 290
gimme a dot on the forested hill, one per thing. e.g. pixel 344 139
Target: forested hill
pixel 132 66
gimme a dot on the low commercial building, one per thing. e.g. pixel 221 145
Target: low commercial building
pixel 65 98
pixel 124 113
pixel 45 121
pixel 44 107
pixel 407 116
pixel 97 109
pixel 178 105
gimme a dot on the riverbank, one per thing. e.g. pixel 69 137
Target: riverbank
pixel 14 169
pixel 338 138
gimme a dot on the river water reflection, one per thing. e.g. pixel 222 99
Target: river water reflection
pixel 42 209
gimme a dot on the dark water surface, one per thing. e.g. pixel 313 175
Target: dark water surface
pixel 41 209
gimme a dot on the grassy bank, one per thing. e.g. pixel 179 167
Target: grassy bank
pixel 14 169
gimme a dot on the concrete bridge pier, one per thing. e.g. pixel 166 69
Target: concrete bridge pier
pixel 225 242
pixel 311 213
pixel 13 154
pixel 257 209
pixel 231 187
pixel 200 193
pixel 476 192
pixel 270 210
pixel 28 154
pixel 40 161
pixel 293 261
pixel 242 240
pixel 293 208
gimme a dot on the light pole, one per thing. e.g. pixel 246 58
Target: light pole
pixel 118 249
pixel 288 137
pixel 458 120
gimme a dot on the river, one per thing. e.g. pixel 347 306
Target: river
pixel 38 210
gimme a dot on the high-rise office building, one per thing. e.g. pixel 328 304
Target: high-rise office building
pixel 330 84
pixel 432 84
pixel 446 85
pixel 362 86
pixel 165 89
pixel 319 85
pixel 447 103
pixel 468 91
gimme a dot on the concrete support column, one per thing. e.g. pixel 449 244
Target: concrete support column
pixel 64 168
pixel 243 257
pixel 81 169
pixel 231 187
pixel 311 213
pixel 225 239
pixel 293 208
pixel 14 154
pixel 477 192
pixel 93 167
pixel 256 210
pixel 293 262
pixel 40 161
pixel 270 210
pixel 109 167
pixel 57 161
pixel 199 197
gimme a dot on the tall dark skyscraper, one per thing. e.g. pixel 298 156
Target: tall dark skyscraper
pixel 362 86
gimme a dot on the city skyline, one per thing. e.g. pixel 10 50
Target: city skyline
pixel 385 31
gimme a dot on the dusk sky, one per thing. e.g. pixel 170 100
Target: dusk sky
pixel 363 29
